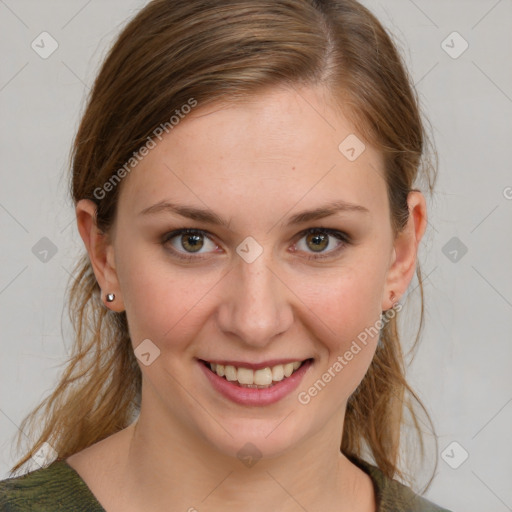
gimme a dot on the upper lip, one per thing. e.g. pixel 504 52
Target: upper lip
pixel 254 366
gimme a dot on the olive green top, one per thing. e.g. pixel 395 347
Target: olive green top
pixel 58 487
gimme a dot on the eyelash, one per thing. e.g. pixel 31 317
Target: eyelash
pixel 342 237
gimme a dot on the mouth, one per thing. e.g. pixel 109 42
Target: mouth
pixel 261 378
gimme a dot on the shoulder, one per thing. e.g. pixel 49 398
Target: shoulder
pixel 392 496
pixel 56 487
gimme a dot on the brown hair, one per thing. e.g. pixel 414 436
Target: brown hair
pixel 228 50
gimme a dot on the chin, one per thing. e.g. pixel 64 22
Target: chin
pixel 253 439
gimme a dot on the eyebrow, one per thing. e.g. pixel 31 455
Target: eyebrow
pixel 208 216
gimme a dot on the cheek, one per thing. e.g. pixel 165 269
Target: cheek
pixel 162 300
pixel 346 309
pixel 347 299
pixel 348 333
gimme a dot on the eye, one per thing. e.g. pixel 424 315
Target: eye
pixel 322 241
pixel 189 244
pixel 189 241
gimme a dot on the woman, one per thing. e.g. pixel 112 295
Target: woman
pixel 243 179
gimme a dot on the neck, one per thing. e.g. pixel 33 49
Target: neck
pixel 171 465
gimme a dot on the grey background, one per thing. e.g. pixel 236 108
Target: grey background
pixel 462 367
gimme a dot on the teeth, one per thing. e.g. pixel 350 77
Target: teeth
pixel 230 372
pixel 255 378
pixel 262 377
pixel 288 369
pixel 245 376
pixel 278 373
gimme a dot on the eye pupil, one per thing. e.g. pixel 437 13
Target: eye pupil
pixel 192 243
pixel 320 241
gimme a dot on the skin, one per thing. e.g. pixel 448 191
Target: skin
pixel 255 164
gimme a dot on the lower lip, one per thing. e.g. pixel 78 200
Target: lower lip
pixel 255 396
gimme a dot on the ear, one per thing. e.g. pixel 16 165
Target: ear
pixel 405 250
pixel 101 253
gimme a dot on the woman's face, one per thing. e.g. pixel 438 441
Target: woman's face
pixel 250 286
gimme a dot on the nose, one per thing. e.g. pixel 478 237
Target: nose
pixel 255 305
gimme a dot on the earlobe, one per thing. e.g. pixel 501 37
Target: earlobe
pixel 100 253
pixel 405 249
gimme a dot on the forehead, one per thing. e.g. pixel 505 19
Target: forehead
pixel 285 145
